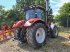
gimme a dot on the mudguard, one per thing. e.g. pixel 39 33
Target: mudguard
pixel 32 21
pixel 19 24
pixel 52 26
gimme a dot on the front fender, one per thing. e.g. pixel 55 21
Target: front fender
pixel 19 24
pixel 32 21
pixel 52 26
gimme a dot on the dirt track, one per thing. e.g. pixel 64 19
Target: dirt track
pixel 61 44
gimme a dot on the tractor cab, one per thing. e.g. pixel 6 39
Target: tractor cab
pixel 34 11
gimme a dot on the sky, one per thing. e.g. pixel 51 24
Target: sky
pixel 55 4
pixel 7 3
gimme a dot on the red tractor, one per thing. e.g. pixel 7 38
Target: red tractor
pixel 37 26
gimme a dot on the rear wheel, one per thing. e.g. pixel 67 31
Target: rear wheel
pixel 17 33
pixel 36 35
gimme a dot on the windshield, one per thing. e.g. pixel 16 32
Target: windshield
pixel 30 14
pixel 34 13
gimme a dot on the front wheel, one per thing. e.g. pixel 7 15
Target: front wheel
pixel 54 32
pixel 36 35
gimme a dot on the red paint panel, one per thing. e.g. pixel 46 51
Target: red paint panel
pixel 31 21
pixel 19 24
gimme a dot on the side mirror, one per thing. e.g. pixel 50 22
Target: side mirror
pixel 50 16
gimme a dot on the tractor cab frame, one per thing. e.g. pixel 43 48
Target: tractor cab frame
pixel 35 11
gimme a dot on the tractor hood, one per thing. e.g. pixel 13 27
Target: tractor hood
pixel 19 24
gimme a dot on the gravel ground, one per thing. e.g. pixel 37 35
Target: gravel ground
pixel 60 44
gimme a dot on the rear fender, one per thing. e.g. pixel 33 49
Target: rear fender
pixel 19 24
pixel 33 21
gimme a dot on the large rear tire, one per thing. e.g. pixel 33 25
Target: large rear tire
pixel 36 35
pixel 17 33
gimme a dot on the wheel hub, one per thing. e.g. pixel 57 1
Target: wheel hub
pixel 40 35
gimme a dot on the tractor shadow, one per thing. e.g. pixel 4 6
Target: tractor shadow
pixel 51 44
pixel 27 48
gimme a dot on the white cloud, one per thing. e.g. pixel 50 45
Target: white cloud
pixel 58 5
pixel 55 11
pixel 53 1
pixel 64 1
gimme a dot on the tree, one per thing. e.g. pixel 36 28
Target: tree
pixel 20 4
pixel 1 14
pixel 1 9
pixel 64 15
pixel 65 9
pixel 12 16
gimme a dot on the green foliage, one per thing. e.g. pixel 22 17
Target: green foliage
pixel 23 3
pixel 65 9
pixel 1 14
pixel 64 14
pixel 1 9
pixel 8 17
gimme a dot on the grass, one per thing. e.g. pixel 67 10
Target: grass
pixel 60 44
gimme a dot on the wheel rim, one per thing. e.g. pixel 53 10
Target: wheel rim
pixel 40 35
